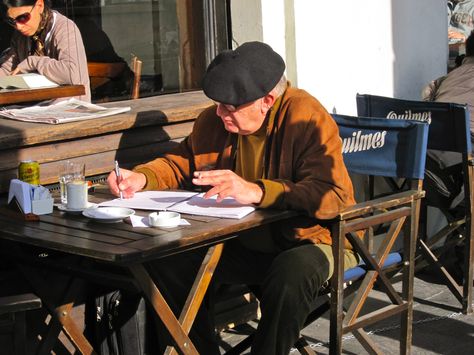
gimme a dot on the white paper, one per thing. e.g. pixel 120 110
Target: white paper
pixel 139 221
pixel 26 81
pixel 151 200
pixel 227 208
pixel 184 202
pixel 62 112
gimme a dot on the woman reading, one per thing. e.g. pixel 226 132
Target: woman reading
pixel 44 42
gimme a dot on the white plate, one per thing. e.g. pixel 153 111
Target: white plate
pixel 108 214
pixel 64 208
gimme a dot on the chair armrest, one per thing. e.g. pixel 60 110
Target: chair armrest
pixel 361 209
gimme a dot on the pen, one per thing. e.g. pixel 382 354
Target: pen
pixel 117 172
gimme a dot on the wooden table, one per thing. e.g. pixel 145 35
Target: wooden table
pixel 120 244
pixel 9 96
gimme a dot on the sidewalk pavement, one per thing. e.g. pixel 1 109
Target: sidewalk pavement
pixel 439 327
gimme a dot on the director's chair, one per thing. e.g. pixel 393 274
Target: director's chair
pixel 373 147
pixel 449 134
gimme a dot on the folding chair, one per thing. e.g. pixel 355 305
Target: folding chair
pixel 385 148
pixel 449 132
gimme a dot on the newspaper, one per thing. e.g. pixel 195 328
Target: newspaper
pixel 61 112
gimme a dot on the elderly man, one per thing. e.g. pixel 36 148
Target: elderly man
pixel 268 144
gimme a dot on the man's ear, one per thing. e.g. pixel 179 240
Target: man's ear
pixel 267 102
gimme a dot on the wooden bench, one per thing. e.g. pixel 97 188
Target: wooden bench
pixel 151 126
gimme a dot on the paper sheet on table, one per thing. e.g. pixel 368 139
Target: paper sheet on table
pixel 227 208
pixel 151 200
pixel 184 202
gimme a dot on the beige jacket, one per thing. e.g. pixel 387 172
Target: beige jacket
pixel 457 87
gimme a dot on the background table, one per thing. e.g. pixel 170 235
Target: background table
pixel 14 96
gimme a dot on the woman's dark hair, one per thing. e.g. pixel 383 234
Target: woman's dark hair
pixel 18 3
pixel 470 45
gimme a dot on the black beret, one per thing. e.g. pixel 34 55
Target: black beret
pixel 239 76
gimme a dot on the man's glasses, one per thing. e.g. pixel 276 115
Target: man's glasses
pixel 21 19
pixel 229 108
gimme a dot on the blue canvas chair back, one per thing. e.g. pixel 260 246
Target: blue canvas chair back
pixel 377 146
pixel 449 132
pixel 449 122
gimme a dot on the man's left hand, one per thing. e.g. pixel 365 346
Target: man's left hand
pixel 226 183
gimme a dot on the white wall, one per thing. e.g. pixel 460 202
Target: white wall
pixel 335 49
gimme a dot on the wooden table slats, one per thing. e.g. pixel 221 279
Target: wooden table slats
pixel 63 242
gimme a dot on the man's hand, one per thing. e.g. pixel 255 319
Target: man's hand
pixel 226 183
pixel 130 182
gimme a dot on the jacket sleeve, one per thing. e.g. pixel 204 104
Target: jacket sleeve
pixel 197 151
pixel 8 60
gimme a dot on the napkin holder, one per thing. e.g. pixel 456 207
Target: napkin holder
pixel 14 210
pixel 20 200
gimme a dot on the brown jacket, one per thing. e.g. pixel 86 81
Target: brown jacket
pixel 303 153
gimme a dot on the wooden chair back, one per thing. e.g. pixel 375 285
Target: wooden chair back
pixel 102 73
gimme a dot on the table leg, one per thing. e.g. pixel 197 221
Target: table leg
pixel 61 319
pixel 198 290
pixel 179 329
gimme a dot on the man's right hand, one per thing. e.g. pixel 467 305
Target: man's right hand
pixel 130 182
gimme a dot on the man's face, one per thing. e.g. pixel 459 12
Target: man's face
pixel 245 119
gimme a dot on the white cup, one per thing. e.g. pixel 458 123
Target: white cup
pixel 76 194
pixel 164 219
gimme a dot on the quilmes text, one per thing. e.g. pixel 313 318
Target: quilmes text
pixel 360 142
pixel 408 115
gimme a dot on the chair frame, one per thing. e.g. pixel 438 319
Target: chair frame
pixel 402 212
pixel 464 291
